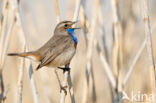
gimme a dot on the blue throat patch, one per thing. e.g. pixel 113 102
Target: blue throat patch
pixel 71 32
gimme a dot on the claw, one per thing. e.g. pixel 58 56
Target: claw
pixel 63 88
pixel 64 69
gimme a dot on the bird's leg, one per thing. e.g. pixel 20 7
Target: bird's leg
pixel 62 88
pixel 66 68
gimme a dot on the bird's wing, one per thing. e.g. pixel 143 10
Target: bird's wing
pixel 55 47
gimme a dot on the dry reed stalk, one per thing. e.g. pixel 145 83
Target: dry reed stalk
pixel 3 16
pixel 20 82
pixel 104 59
pixel 148 35
pixel 15 4
pixel 3 28
pixel 71 91
pixel 58 18
pixel 116 37
pixel 64 84
pixel 89 74
pixel 4 40
pixel 3 21
pixel 131 68
pixel 107 68
pixel 109 73
pixel 3 91
pixel 22 60
pixel 77 9
pixel 84 23
pixel 20 76
pixel 3 13
pixel 117 50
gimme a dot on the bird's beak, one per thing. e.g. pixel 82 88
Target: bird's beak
pixel 74 22
pixel 76 28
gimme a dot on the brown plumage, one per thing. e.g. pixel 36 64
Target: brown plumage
pixel 58 51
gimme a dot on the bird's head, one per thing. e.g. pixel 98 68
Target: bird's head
pixel 64 27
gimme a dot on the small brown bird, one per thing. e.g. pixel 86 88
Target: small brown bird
pixel 58 51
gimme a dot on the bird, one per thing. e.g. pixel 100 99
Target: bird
pixel 58 50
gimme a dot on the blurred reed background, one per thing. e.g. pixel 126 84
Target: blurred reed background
pixel 115 54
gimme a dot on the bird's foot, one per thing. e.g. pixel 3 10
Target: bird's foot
pixel 63 88
pixel 64 69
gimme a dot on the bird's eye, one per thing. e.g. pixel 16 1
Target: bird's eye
pixel 65 25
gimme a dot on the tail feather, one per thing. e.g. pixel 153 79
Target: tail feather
pixel 25 54
pixel 13 54
pixel 20 54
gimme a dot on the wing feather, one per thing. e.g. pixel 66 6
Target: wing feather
pixel 55 47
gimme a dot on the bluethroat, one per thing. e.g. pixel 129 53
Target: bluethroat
pixel 58 51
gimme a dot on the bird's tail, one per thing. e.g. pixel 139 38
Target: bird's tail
pixel 20 54
pixel 30 55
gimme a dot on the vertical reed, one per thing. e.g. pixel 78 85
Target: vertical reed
pixel 90 47
pixel 148 35
pixel 4 40
pixel 117 54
